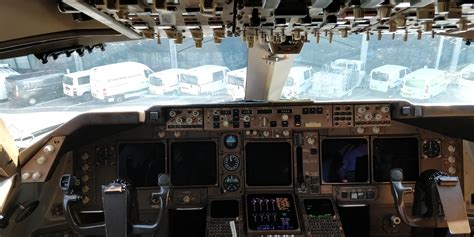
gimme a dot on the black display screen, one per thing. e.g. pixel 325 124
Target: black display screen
pixel 140 163
pixel 389 153
pixel 224 208
pixel 345 160
pixel 268 164
pixel 318 207
pixel 271 212
pixel 193 163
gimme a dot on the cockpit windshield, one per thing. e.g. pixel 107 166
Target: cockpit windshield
pixel 130 75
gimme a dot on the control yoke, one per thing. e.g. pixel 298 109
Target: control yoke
pixel 116 198
pixel 434 189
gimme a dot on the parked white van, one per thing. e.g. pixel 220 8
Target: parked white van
pixel 77 84
pixel 424 83
pixel 116 82
pixel 298 82
pixel 236 83
pixel 5 71
pixel 165 82
pixel 387 77
pixel 337 79
pixel 204 80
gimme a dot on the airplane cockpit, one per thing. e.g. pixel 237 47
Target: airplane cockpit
pixel 233 118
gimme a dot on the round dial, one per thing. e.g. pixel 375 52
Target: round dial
pixel 231 141
pixel 231 183
pixel 104 154
pixel 431 148
pixel 231 162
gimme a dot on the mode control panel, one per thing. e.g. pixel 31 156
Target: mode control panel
pixel 185 119
pixel 275 120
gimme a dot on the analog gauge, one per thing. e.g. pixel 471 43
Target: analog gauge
pixel 231 141
pixel 231 162
pixel 431 148
pixel 104 154
pixel 231 183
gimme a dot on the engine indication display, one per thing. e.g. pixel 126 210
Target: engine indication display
pixel 231 183
pixel 231 162
pixel 431 148
pixel 271 212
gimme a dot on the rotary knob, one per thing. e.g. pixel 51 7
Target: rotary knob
pixel 41 160
pixel 189 120
pixel 284 117
pixel 451 148
pixel 451 159
pixel 48 149
pixel 376 129
pixel 36 175
pixel 266 133
pixel 286 133
pixel 26 175
pixel 310 140
pixel 172 113
pixel 361 110
pixel 360 130
pixel 225 123
pixel 452 170
pixel 368 116
pixel 179 120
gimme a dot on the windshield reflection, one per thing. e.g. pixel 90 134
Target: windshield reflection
pixel 436 70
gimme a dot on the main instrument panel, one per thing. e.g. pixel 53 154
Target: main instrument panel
pixel 266 169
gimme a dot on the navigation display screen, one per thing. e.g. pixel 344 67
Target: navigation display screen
pixel 140 163
pixel 268 164
pixel 271 212
pixel 345 160
pixel 389 153
pixel 193 163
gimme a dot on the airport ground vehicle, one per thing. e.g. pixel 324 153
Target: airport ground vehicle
pixel 202 165
pixel 424 83
pixel 165 82
pixel 387 77
pixel 204 80
pixel 116 82
pixel 338 79
pixel 236 83
pixel 31 88
pixel 466 81
pixel 77 84
pixel 298 82
pixel 5 71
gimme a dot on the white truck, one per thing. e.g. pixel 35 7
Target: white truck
pixel 424 83
pixel 77 84
pixel 5 71
pixel 387 77
pixel 338 79
pixel 299 82
pixel 204 80
pixel 165 82
pixel 116 82
pixel 236 83
pixel 466 81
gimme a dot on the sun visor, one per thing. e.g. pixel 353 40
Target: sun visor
pixel 8 152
